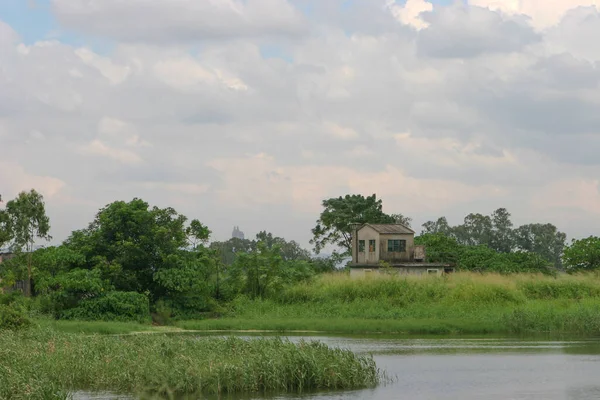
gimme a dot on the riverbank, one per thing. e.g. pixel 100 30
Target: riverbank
pixel 43 363
pixel 459 304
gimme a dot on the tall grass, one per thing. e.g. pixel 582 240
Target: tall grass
pixel 458 303
pixel 44 364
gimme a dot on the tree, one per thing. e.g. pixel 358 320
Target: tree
pixel 476 230
pixel 22 222
pixel 502 236
pixel 440 226
pixel 197 234
pixel 401 219
pixel 583 255
pixel 134 241
pixel 335 224
pixel 288 250
pixel 542 239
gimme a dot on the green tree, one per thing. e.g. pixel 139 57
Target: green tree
pixel 335 224
pixel 582 255
pixel 543 239
pixel 401 219
pixel 133 242
pixel 228 250
pixel 476 230
pixel 439 226
pixel 289 250
pixel 502 235
pixel 22 222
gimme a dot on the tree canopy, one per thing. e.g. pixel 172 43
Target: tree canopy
pixel 335 224
pixel 583 255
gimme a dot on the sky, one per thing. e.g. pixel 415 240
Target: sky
pixel 250 112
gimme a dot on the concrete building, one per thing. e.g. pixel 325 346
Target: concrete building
pixel 237 233
pixel 376 246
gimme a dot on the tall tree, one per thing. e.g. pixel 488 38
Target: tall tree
pixel 136 241
pixel 401 219
pixel 543 239
pixel 502 235
pixel 440 226
pixel 583 255
pixel 289 250
pixel 22 222
pixel 476 230
pixel 335 224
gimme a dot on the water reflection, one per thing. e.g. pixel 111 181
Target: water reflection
pixel 509 368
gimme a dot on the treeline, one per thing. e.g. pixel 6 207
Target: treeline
pixel 133 258
pixel 497 232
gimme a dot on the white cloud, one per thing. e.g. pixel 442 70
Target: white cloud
pixel 114 73
pixel 15 179
pixel 543 13
pixel 187 74
pixel 410 12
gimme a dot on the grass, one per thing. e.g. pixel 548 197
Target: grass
pixel 101 327
pixel 45 364
pixel 463 303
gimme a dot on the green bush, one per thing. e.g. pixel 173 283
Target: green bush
pixel 12 318
pixel 112 306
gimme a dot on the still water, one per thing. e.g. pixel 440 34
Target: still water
pixel 516 369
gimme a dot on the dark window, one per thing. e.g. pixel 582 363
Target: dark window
pixel 361 246
pixel 371 246
pixel 396 246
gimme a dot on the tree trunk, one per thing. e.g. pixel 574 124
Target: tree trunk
pixel 28 280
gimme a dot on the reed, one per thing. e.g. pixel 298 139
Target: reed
pixel 458 303
pixel 44 364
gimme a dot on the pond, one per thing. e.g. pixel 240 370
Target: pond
pixel 450 368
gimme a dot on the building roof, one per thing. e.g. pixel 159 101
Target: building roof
pixel 390 228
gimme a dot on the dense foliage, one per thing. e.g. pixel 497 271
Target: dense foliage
pixel 496 232
pixel 134 259
pixel 583 255
pixel 481 258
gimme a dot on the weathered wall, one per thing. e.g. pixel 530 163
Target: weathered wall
pixel 393 257
pixel 367 233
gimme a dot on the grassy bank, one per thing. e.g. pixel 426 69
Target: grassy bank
pixel 460 303
pixel 44 364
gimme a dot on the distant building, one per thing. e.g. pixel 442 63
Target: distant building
pixel 393 244
pixel 237 233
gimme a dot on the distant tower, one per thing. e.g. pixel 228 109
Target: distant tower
pixel 237 233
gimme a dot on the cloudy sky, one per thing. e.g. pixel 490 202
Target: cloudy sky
pixel 250 112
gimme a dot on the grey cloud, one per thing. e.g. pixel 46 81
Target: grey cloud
pixel 179 21
pixel 465 32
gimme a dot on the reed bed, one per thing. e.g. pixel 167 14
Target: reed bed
pixel 45 364
pixel 458 303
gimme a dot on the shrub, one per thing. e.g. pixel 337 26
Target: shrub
pixel 12 319
pixel 112 306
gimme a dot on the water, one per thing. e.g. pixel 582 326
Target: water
pixel 515 369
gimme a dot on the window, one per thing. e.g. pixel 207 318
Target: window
pixel 433 271
pixel 361 246
pixel 371 246
pixel 396 246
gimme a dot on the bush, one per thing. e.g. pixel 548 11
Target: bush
pixel 112 306
pixel 12 319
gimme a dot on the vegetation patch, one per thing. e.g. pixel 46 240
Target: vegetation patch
pixel 48 364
